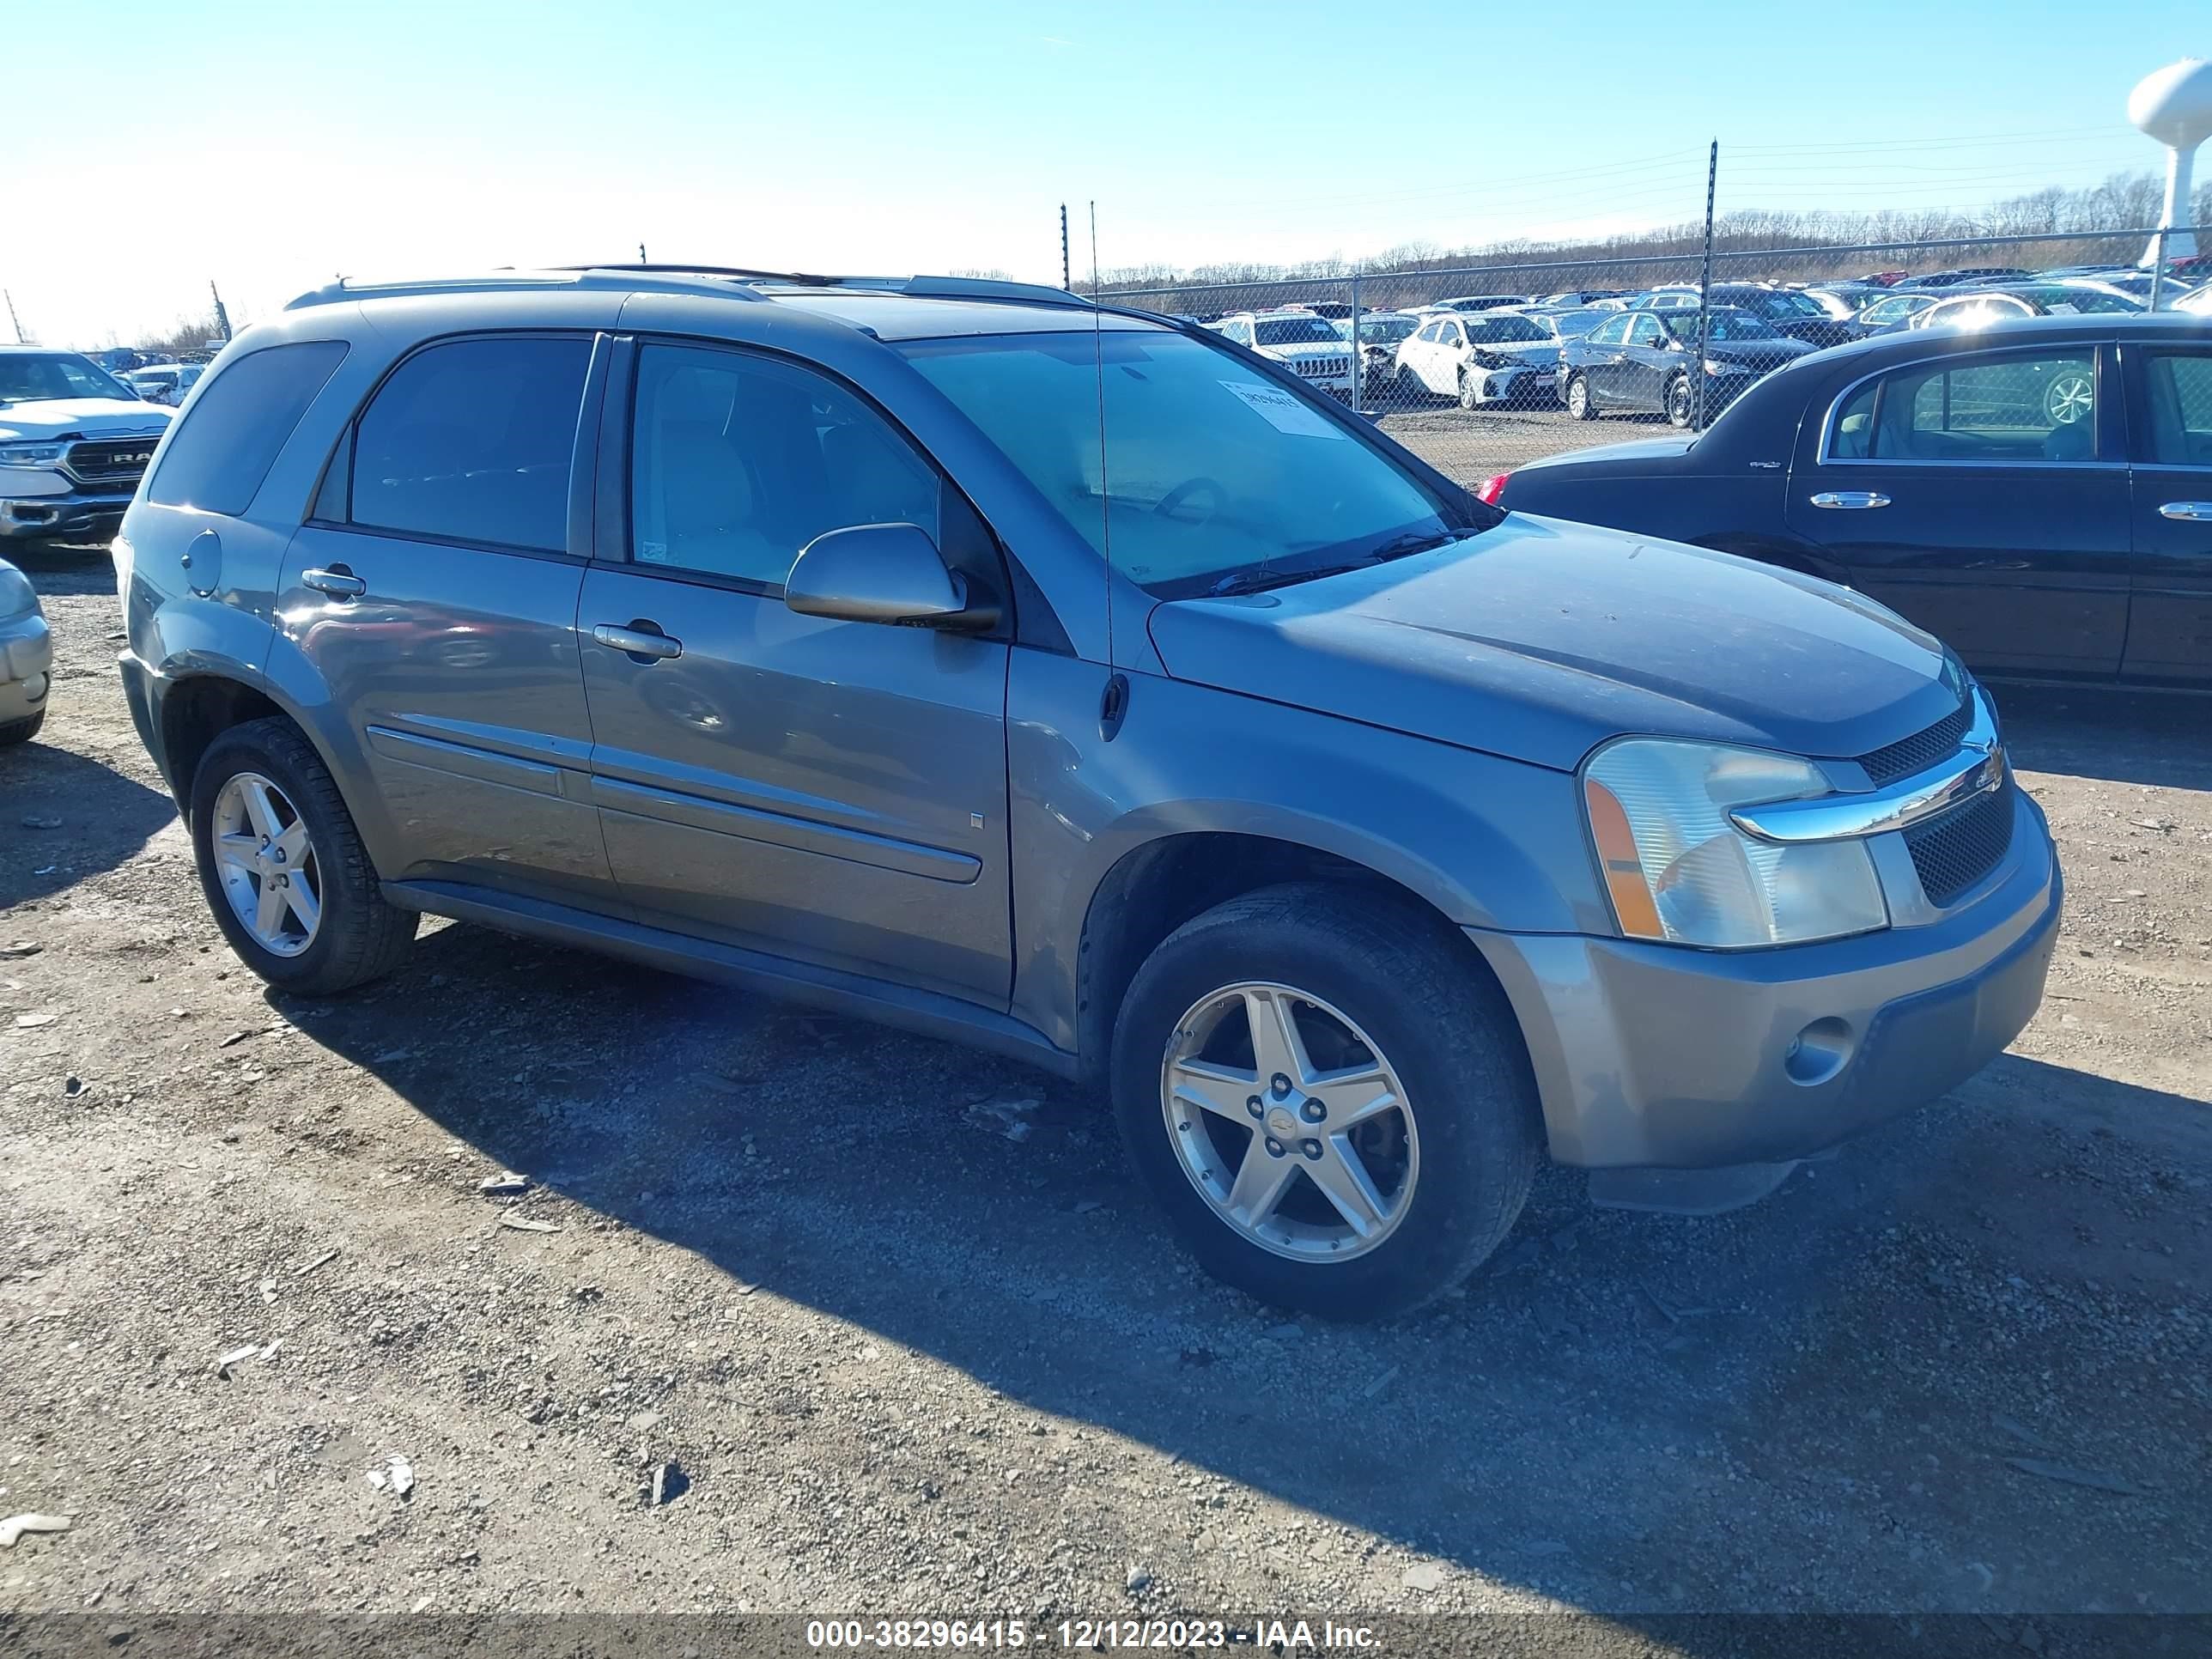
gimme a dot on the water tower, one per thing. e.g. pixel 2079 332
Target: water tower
pixel 2174 105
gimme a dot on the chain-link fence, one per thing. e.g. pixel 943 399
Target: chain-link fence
pixel 1482 368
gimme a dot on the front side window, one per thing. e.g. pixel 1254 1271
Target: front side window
pixel 1645 332
pixel 217 458
pixel 1614 332
pixel 2181 387
pixel 737 462
pixel 1974 410
pixel 473 441
pixel 1209 475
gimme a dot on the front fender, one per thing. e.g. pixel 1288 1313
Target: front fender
pixel 1487 842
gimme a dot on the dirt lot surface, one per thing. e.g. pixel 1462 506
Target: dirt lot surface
pixel 915 1347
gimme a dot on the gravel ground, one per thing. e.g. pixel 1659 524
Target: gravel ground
pixel 895 1316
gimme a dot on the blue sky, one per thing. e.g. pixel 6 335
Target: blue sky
pixel 271 146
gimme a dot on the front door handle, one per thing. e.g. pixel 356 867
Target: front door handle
pixel 338 581
pixel 2195 512
pixel 1855 498
pixel 642 641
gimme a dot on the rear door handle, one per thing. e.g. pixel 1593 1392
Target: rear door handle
pixel 338 581
pixel 2195 512
pixel 643 644
pixel 1855 498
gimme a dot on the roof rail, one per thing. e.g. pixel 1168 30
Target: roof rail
pixel 668 279
pixel 732 282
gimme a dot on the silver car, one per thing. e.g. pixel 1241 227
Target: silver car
pixel 1089 688
pixel 27 658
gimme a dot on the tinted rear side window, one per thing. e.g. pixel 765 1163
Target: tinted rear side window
pixel 217 460
pixel 471 441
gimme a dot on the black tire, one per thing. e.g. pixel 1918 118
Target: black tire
pixel 1411 390
pixel 362 936
pixel 1586 408
pixel 22 730
pixel 1467 398
pixel 1677 403
pixel 1398 972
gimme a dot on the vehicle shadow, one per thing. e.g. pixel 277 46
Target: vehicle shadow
pixel 63 817
pixel 2101 731
pixel 1809 1405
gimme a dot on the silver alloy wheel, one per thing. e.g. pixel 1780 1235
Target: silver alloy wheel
pixel 1264 1083
pixel 1577 396
pixel 2069 399
pixel 266 862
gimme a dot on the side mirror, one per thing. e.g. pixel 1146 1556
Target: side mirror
pixel 882 573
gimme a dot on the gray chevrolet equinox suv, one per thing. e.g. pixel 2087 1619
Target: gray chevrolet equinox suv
pixel 1076 684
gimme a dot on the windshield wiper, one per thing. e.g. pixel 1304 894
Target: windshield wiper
pixel 1261 580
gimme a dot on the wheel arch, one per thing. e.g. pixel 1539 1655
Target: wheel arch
pixel 196 704
pixel 1156 887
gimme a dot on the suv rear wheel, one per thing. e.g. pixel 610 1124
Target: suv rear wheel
pixel 283 867
pixel 1331 1104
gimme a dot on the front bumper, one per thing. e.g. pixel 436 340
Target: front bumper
pixel 1660 1056
pixel 27 661
pixel 1518 384
pixel 78 515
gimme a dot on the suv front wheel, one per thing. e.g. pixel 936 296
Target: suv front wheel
pixel 1331 1101
pixel 283 867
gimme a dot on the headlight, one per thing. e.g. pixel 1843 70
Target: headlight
pixel 30 454
pixel 17 596
pixel 1676 869
pixel 1716 366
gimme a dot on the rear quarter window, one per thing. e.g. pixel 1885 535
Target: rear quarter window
pixel 225 444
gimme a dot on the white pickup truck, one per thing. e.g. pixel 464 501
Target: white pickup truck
pixel 74 442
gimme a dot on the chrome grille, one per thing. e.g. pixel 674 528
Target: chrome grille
pixel 1906 756
pixel 1954 852
pixel 1319 369
pixel 120 462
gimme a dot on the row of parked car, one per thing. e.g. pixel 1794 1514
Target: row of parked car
pixel 1596 352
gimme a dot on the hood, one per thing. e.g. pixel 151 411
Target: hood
pixel 1540 639
pixel 82 417
pixel 1758 354
pixel 1291 353
pixel 1546 351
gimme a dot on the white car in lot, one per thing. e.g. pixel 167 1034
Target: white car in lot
pixel 1495 358
pixel 163 383
pixel 1307 343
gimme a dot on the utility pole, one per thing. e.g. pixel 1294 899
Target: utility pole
pixel 13 319
pixel 1067 279
pixel 222 317
pixel 1698 376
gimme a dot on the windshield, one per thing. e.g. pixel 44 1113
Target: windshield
pixel 1722 324
pixel 1502 330
pixel 1212 473
pixel 1777 302
pixel 2060 300
pixel 26 379
pixel 1385 330
pixel 1295 330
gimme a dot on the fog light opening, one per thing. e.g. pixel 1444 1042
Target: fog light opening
pixel 1819 1052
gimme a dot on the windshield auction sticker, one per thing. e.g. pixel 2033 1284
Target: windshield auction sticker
pixel 1282 412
